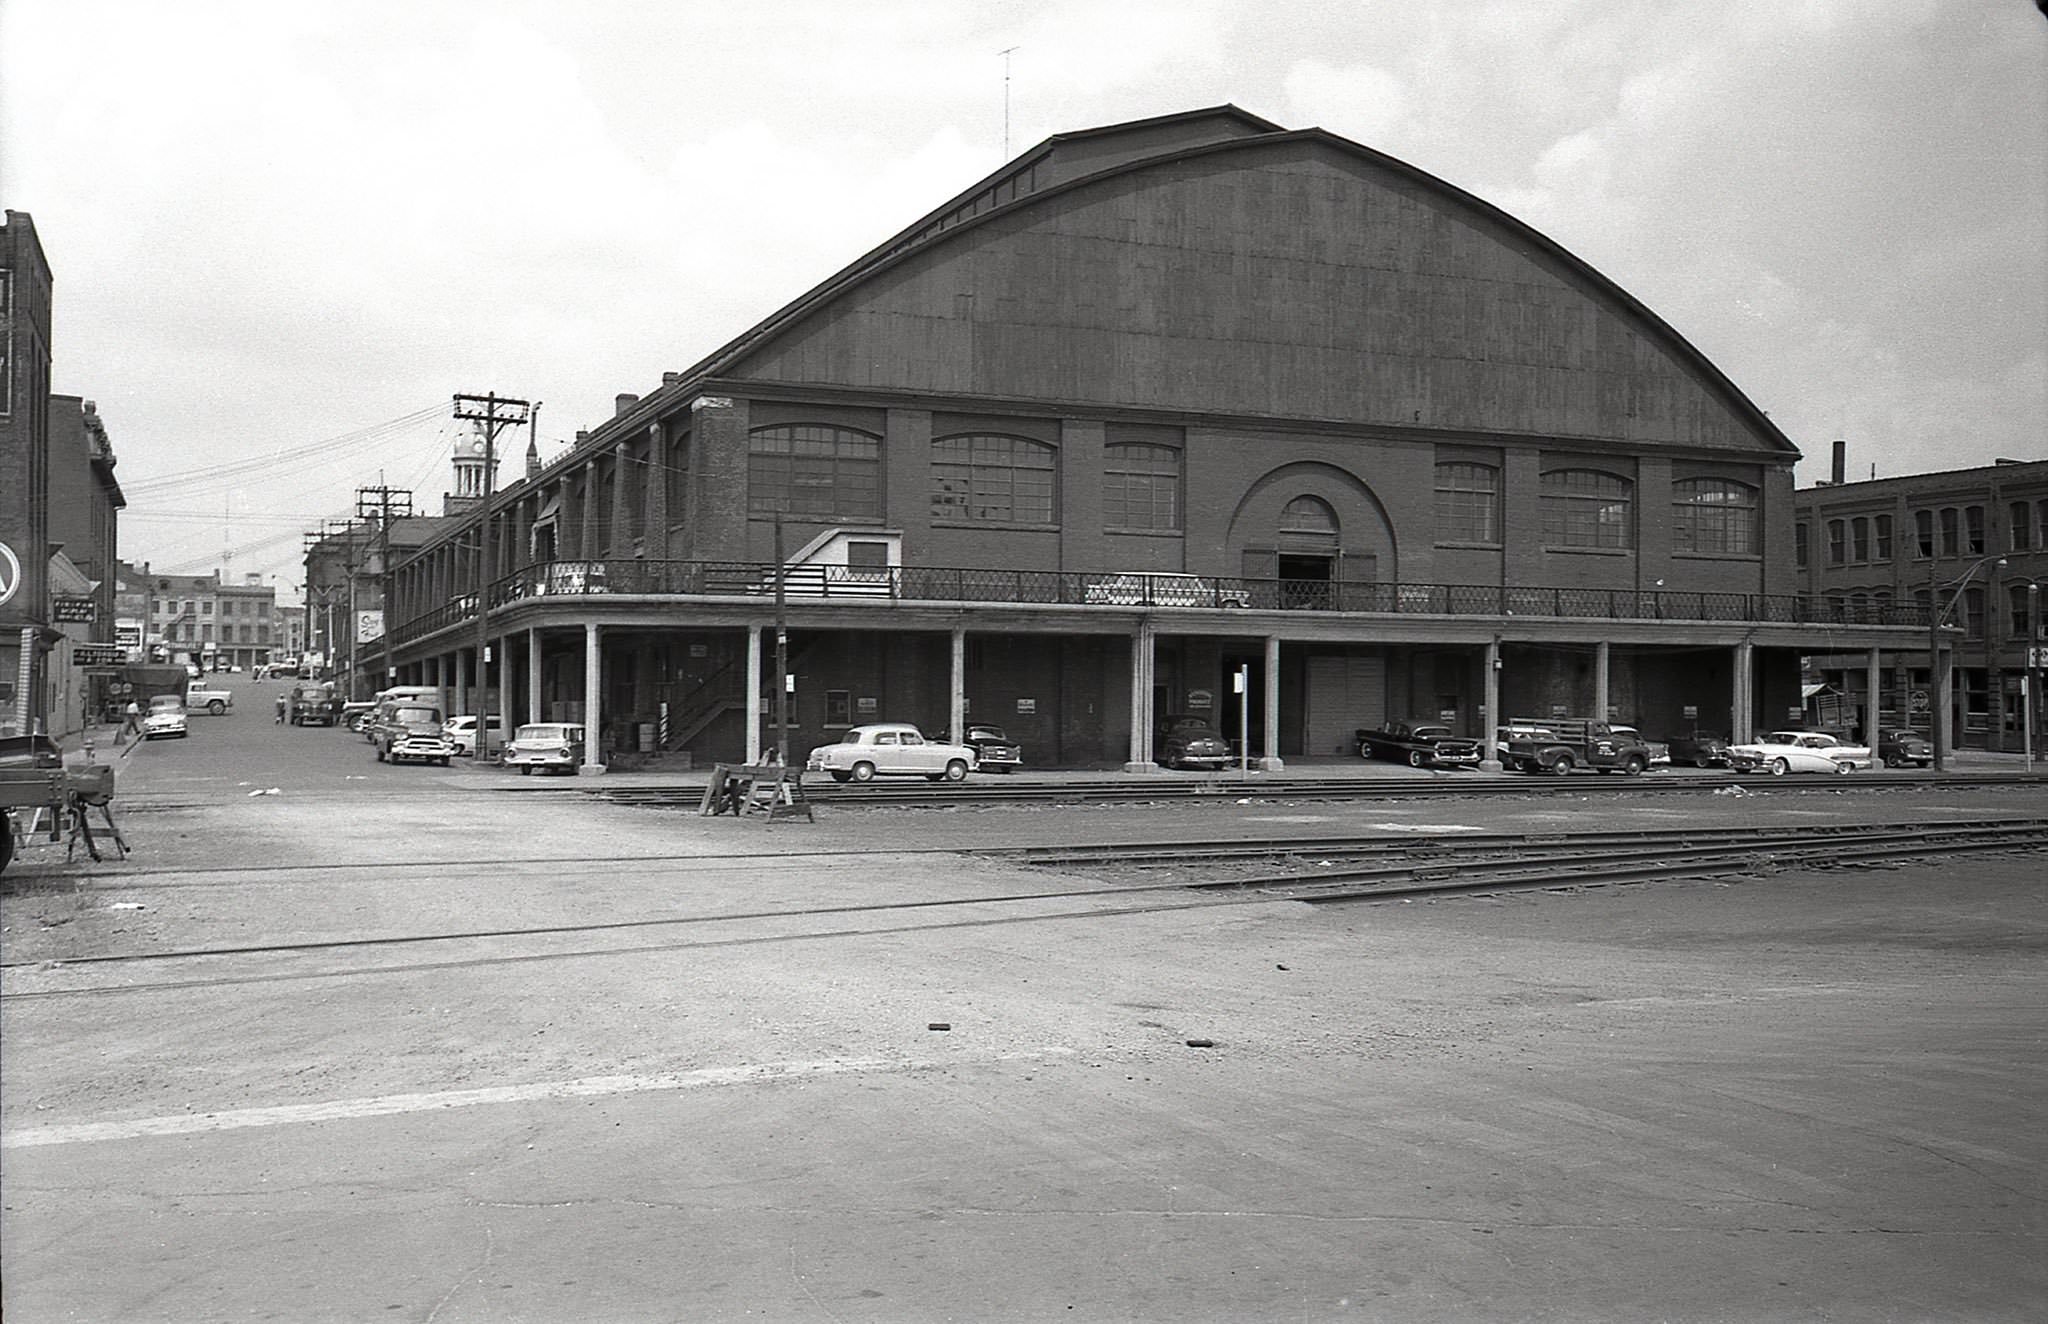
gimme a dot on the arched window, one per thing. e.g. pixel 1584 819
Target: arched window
pixel 988 478
pixel 1587 508
pixel 1307 524
pixel 1140 486
pixel 813 471
pixel 1718 516
pixel 1468 504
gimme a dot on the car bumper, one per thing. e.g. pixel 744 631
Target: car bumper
pixel 421 750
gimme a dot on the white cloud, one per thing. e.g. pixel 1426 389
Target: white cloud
pixel 1362 103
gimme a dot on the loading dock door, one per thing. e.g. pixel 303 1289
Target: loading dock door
pixel 1344 693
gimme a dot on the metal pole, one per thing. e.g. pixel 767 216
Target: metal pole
pixel 781 656
pixel 2027 672
pixel 1244 720
pixel 1937 714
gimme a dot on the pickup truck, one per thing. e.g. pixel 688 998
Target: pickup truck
pixel 1418 744
pixel 1565 743
pixel 197 696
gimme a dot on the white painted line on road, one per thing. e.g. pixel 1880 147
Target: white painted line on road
pixel 390 1105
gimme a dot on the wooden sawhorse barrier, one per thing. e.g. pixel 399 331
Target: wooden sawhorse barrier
pixel 767 789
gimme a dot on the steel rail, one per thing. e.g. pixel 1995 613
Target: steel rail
pixel 1450 786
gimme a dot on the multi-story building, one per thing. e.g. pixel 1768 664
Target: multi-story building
pixel 344 621
pixel 85 505
pixel 26 632
pixel 1154 411
pixel 212 624
pixel 1971 542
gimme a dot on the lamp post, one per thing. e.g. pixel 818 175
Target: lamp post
pixel 2027 668
pixel 1936 674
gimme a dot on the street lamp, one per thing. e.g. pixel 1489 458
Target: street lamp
pixel 1936 674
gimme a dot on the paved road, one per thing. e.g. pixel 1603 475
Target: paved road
pixel 1797 1097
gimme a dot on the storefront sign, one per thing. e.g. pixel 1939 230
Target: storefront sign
pixel 66 610
pixel 1026 706
pixel 98 655
pixel 1200 699
pixel 10 573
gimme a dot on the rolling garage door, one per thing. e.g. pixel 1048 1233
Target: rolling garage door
pixel 1344 693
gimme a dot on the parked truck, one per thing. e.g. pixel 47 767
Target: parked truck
pixel 198 696
pixel 1564 743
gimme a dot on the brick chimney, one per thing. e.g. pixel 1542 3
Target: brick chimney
pixel 625 401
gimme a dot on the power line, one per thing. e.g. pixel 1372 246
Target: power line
pixel 331 447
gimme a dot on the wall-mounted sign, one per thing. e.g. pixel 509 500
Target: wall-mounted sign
pixel 865 704
pixel 1559 710
pixel 1691 712
pixel 10 573
pixel 1026 706
pixel 98 655
pixel 369 626
pixel 66 609
pixel 1201 699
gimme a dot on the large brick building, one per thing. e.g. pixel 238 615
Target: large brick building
pixel 26 633
pixel 1153 406
pixel 1974 543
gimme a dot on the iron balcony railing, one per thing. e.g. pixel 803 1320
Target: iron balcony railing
pixel 576 579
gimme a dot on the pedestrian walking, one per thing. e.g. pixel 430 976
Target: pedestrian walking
pixel 132 725
pixel 282 701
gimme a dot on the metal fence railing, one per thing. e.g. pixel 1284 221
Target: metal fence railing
pixel 574 579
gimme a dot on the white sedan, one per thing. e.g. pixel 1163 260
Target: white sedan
pixel 890 749
pixel 165 719
pixel 1781 752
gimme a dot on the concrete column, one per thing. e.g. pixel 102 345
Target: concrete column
pixel 754 714
pixel 654 507
pixel 593 703
pixel 1489 749
pixel 1873 686
pixel 624 498
pixel 1271 761
pixel 956 710
pixel 505 722
pixel 1141 701
pixel 1741 716
pixel 533 675
pixel 1943 729
pixel 461 697
pixel 1601 660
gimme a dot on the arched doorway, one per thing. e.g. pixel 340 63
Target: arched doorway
pixel 1307 544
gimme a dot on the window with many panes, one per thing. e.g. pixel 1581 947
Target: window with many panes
pixel 1141 486
pixel 1948 530
pixel 989 478
pixel 2020 515
pixel 812 470
pixel 1468 504
pixel 2022 604
pixel 1923 531
pixel 1587 508
pixel 1973 531
pixel 1859 539
pixel 1715 516
pixel 1801 536
pixel 1882 529
pixel 1838 542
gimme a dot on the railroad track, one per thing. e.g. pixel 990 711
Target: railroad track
pixel 1490 864
pixel 1129 790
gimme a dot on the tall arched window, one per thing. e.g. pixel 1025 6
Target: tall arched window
pixel 814 471
pixel 1718 516
pixel 1140 486
pixel 988 478
pixel 1587 508
pixel 1468 504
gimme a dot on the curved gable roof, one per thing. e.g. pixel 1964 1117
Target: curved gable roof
pixel 1075 171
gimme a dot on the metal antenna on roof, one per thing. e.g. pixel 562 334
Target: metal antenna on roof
pixel 1005 53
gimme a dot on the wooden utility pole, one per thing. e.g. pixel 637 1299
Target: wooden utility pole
pixel 493 413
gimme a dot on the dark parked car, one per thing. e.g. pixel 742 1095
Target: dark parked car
pixel 1419 745
pixel 1899 747
pixel 1700 749
pixel 994 751
pixel 1187 741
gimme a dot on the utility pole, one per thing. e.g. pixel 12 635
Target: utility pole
pixel 492 413
pixel 381 505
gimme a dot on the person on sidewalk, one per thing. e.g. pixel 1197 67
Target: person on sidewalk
pixel 131 726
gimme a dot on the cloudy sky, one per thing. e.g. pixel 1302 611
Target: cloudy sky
pixel 285 234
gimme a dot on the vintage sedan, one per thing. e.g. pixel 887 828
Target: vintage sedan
pixel 1781 752
pixel 890 749
pixel 165 718
pixel 549 746
pixel 994 751
pixel 1700 749
pixel 1187 741
pixel 1418 744
pixel 461 732
pixel 1897 747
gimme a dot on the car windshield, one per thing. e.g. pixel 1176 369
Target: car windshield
pixel 167 703
pixel 548 731
pixel 418 715
pixel 986 733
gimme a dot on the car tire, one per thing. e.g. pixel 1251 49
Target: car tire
pixel 1365 752
pixel 1416 758
pixel 956 770
pixel 863 772
pixel 842 777
pixel 526 770
pixel 380 753
pixel 1632 767
pixel 1892 760
pixel 216 707
pixel 444 763
pixel 1843 767
pixel 1563 766
pixel 1779 767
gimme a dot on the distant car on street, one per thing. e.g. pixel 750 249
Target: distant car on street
pixel 165 718
pixel 1188 741
pixel 548 746
pixel 356 712
pixel 461 732
pixel 1698 749
pixel 1417 744
pixel 411 733
pixel 1897 747
pixel 885 749
pixel 1783 752
pixel 994 751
